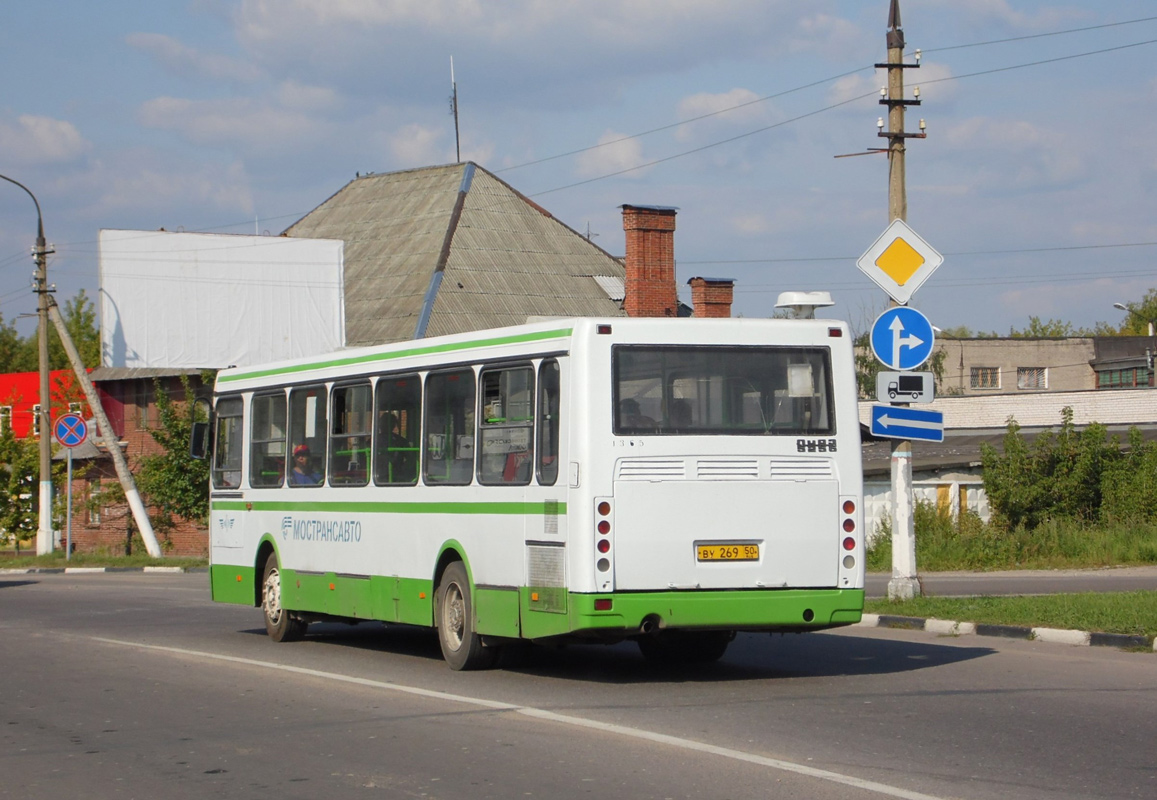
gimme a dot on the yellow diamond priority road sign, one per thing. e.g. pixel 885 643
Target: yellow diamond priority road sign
pixel 899 261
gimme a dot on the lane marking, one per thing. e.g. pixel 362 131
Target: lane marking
pixel 551 716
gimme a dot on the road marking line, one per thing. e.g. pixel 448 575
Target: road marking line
pixel 538 713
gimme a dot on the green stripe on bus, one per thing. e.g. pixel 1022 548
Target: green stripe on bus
pixel 372 507
pixel 370 358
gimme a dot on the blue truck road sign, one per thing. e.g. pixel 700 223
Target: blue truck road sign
pixel 898 422
pixel 902 338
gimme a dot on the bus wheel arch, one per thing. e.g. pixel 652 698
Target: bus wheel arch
pixel 264 551
pixel 461 644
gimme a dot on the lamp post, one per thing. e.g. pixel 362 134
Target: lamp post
pixel 44 543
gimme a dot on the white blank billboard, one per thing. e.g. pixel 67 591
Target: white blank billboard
pixel 197 300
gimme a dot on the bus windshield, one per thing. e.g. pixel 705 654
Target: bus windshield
pixel 726 390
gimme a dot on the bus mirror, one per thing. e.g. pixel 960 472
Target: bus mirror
pixel 199 435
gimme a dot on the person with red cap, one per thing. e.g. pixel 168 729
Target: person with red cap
pixel 303 473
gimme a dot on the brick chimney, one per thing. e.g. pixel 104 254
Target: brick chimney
pixel 711 297
pixel 650 262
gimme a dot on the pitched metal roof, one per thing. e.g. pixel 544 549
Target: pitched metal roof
pixel 450 249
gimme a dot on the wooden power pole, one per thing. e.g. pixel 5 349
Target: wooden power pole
pixel 904 584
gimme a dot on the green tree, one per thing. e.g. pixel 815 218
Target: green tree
pixel 174 483
pixel 80 322
pixel 1140 314
pixel 1057 476
pixel 19 486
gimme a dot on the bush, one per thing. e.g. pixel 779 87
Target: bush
pixel 1059 476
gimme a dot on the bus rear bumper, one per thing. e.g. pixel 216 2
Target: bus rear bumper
pixel 739 610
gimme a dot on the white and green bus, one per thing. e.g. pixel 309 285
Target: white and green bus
pixel 667 481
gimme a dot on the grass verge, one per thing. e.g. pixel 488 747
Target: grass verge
pixel 944 543
pixel 57 561
pixel 1133 613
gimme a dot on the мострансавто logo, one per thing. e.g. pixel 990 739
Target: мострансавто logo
pixel 320 530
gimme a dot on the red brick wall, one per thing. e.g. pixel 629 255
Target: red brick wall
pixel 112 532
pixel 711 298
pixel 650 262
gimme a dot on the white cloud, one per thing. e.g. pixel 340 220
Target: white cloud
pixel 40 140
pixel 417 145
pixel 242 122
pixel 735 108
pixel 614 154
pixel 1016 154
pixel 303 97
pixel 183 60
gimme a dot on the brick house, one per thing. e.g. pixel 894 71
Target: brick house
pixel 128 397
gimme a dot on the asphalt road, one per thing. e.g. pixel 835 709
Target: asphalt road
pixel 135 685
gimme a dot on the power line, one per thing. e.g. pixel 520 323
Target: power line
pixel 1040 35
pixel 837 105
pixel 956 253
pixel 687 121
pixel 708 146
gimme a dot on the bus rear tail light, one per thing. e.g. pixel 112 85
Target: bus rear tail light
pixel 849 508
pixel 604 557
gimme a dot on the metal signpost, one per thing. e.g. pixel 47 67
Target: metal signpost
pixel 902 339
pixel 70 431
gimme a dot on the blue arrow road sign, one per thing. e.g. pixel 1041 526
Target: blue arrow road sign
pixel 898 422
pixel 70 430
pixel 902 338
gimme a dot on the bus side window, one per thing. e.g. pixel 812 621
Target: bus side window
pixel 227 447
pixel 398 410
pixel 349 445
pixel 506 426
pixel 448 455
pixel 548 422
pixel 307 435
pixel 267 441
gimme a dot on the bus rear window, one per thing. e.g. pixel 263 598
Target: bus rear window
pixel 722 390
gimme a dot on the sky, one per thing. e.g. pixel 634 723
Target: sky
pixel 1037 180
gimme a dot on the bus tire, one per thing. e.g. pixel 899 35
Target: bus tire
pixel 280 624
pixel 454 614
pixel 685 647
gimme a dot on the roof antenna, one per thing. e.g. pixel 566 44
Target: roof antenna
pixel 454 111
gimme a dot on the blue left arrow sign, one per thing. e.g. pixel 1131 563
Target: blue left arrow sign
pixel 898 422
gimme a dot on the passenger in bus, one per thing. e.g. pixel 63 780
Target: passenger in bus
pixel 401 455
pixel 303 473
pixel 679 414
pixel 631 416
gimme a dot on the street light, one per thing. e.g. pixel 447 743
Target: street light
pixel 40 253
pixel 1123 307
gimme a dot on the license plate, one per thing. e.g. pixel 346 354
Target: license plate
pixel 727 551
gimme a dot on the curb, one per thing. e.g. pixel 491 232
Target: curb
pixel 96 570
pixel 947 627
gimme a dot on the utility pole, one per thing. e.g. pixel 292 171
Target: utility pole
pixel 904 584
pixel 44 533
pixel 47 309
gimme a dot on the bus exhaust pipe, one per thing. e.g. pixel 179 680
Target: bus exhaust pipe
pixel 649 625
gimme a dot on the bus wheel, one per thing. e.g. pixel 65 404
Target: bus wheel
pixel 281 625
pixel 685 647
pixel 461 646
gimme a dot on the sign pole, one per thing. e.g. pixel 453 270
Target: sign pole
pixel 904 584
pixel 68 517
